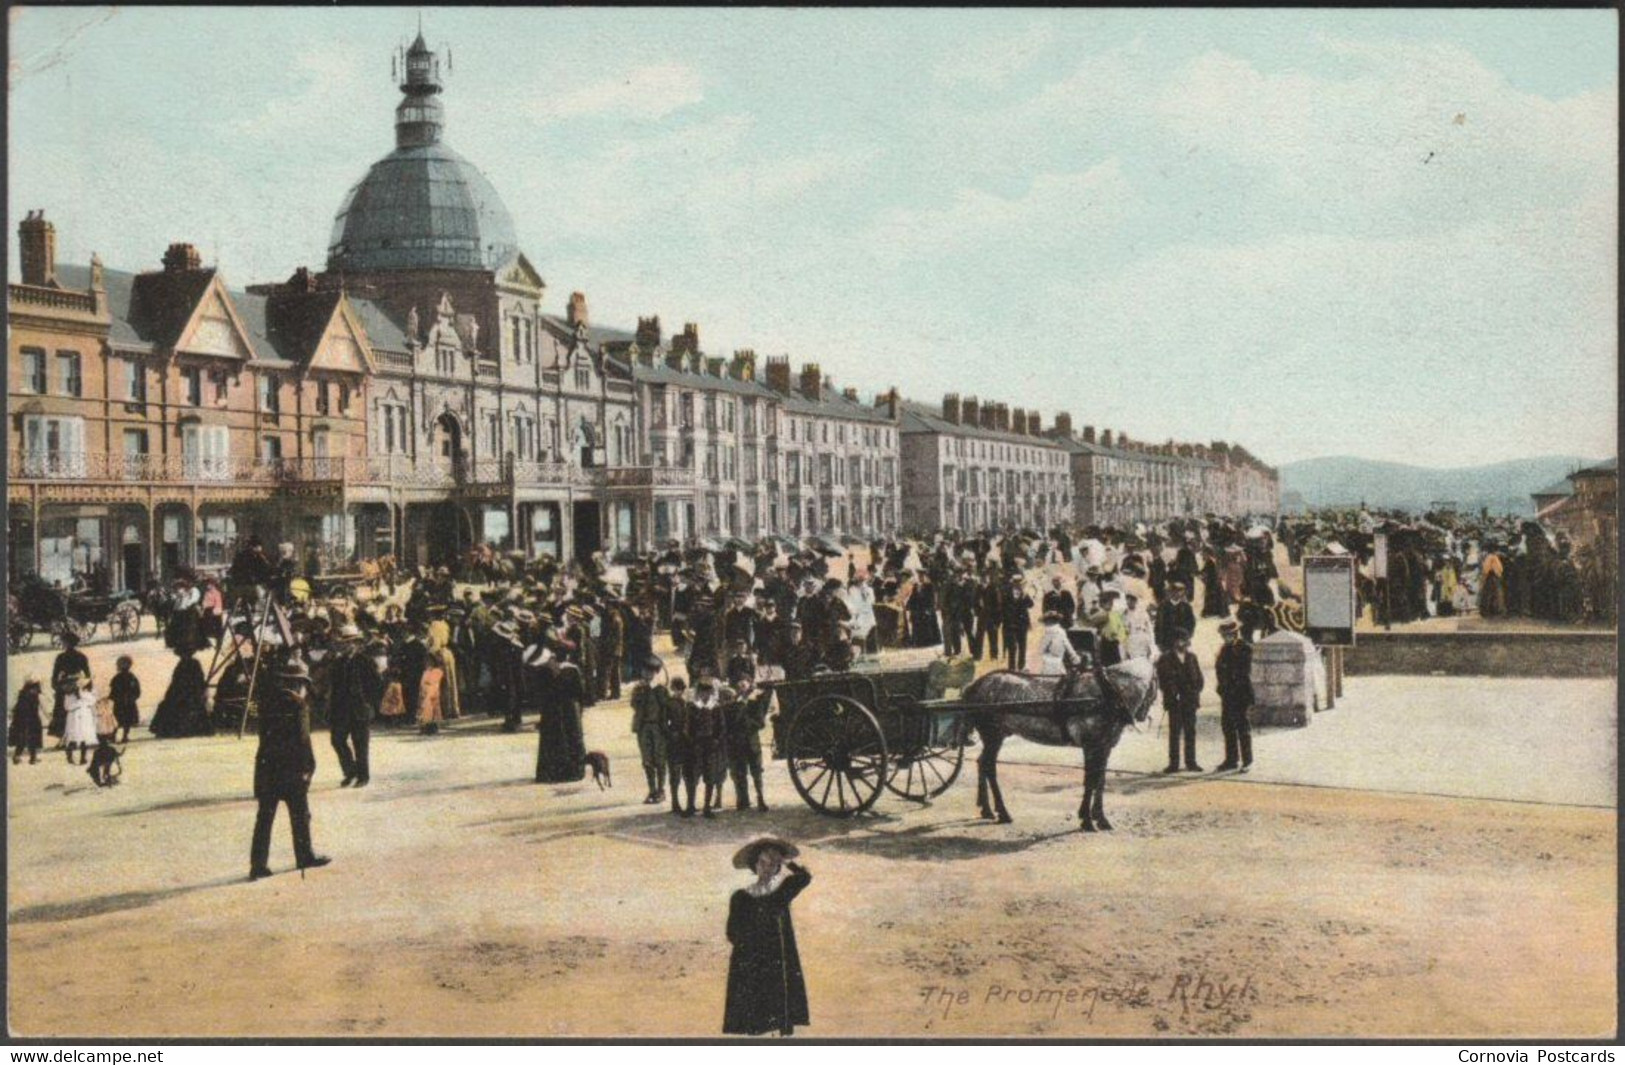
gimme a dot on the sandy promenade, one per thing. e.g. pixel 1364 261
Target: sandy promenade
pixel 465 900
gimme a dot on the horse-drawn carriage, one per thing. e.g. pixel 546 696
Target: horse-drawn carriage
pixel 35 607
pixel 846 737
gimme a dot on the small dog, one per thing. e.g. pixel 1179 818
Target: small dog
pixel 598 762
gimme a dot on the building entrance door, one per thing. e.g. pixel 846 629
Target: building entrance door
pixel 588 538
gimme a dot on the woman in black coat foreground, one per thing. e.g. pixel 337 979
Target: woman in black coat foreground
pixel 766 989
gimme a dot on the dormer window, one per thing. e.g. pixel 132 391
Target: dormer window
pixel 445 359
pixel 583 378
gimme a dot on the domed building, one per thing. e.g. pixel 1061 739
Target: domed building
pixel 422 206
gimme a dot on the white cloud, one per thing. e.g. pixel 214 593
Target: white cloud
pixel 989 64
pixel 645 92
pixel 1057 208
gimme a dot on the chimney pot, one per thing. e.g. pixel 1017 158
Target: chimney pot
pixel 969 411
pixel 1063 423
pixel 1106 438
pixel 812 381
pixel 950 407
pixel 778 374
pixel 649 332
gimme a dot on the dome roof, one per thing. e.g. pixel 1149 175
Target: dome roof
pixel 422 207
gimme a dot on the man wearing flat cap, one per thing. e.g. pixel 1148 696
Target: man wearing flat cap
pixel 1175 615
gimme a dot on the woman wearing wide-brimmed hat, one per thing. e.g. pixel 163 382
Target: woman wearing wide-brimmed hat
pixel 766 989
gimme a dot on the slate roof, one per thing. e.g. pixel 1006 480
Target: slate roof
pixel 121 334
pixel 919 418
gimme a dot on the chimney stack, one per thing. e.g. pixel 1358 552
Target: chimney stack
pixel 850 393
pixel 950 408
pixel 713 366
pixel 649 332
pixel 1088 434
pixel 37 239
pixel 575 312
pixel 1001 417
pixel 812 381
pixel 744 365
pixel 990 417
pixel 1018 421
pixel 1063 423
pixel 688 341
pixel 1035 423
pixel 969 412
pixel 180 258
pixel 1105 438
pixel 778 374
pixel 302 281
pixel 889 402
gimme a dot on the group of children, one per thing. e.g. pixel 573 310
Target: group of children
pixel 82 722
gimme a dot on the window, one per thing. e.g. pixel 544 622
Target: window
pixel 685 410
pixel 271 450
pixel 344 398
pixel 194 385
pixel 583 378
pixel 518 330
pixel 710 412
pixel 214 539
pixel 135 378
pixel 524 438
pixel 67 368
pixel 135 452
pixel 320 451
pixel 34 370
pixel 205 450
pixel 322 398
pixel 218 378
pixel 270 394
pixel 53 446
pixel 493 434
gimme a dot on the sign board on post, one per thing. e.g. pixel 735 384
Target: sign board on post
pixel 1379 558
pixel 1330 604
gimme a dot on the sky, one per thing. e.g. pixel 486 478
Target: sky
pixel 1389 234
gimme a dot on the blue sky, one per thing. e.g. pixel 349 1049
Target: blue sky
pixel 1383 233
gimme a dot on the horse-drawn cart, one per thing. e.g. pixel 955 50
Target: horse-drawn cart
pixel 34 606
pixel 848 736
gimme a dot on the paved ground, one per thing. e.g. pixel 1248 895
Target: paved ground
pixel 466 900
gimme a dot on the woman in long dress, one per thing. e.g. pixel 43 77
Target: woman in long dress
pixel 923 628
pixel 561 750
pixel 767 991
pixel 429 693
pixel 184 710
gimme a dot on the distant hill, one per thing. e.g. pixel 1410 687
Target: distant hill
pixel 1503 487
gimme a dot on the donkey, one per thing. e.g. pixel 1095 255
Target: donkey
pixel 1089 711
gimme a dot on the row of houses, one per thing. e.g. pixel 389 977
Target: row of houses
pixel 416 398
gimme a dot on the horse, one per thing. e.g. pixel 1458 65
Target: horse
pixel 1090 711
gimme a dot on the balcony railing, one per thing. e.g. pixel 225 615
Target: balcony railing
pixel 398 471
pixel 55 299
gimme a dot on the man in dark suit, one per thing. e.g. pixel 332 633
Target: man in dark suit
pixel 1233 673
pixel 990 612
pixel 1174 615
pixel 283 766
pixel 1018 619
pixel 357 685
pixel 1059 601
pixel 957 613
pixel 1179 675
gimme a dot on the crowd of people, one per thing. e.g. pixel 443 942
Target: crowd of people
pixel 542 640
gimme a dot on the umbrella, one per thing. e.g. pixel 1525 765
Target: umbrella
pixel 710 544
pixel 737 544
pixel 853 541
pixel 785 542
pixel 626 558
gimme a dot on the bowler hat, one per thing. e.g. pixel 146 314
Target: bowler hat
pixel 746 856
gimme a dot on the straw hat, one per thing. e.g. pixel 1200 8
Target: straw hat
pixel 746 856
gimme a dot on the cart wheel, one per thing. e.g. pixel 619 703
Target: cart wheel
pixel 18 636
pixel 837 756
pixel 67 626
pixel 927 774
pixel 125 621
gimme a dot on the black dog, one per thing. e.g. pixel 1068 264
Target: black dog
pixel 598 762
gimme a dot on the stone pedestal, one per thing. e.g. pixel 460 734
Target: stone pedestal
pixel 1283 680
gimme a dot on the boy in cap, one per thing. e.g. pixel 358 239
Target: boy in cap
pixel 648 725
pixel 1233 670
pixel 1179 675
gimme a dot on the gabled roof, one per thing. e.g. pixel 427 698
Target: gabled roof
pixel 835 405
pixel 162 303
pixel 382 329
pixel 1601 469
pixel 121 334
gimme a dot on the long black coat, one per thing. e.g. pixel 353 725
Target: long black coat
pixel 561 752
pixel 1181 684
pixel 1233 671
pixel 766 989
pixel 284 762
pixel 357 688
pixel 184 709
pixel 1171 618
